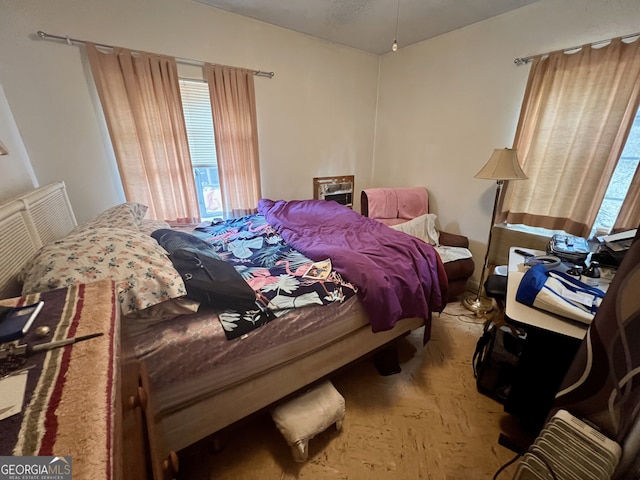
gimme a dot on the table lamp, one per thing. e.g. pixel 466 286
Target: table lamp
pixel 502 165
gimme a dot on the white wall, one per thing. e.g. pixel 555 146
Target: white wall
pixel 315 117
pixel 446 103
pixel 16 173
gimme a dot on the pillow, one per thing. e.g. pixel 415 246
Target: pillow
pixel 149 226
pixel 422 227
pixel 127 215
pixel 141 269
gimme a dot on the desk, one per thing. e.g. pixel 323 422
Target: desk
pixel 552 342
pixel 534 317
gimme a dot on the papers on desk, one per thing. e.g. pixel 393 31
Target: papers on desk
pixel 615 237
pixel 619 242
pixel 12 389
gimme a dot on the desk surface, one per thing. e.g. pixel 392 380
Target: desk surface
pixel 532 316
pixel 69 403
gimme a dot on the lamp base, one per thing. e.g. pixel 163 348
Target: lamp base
pixel 478 305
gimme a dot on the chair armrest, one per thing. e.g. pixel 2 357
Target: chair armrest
pixel 364 204
pixel 453 240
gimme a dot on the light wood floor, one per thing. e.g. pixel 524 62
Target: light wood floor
pixel 427 422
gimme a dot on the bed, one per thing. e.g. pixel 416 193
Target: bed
pixel 194 380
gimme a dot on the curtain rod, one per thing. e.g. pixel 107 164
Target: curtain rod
pixel 187 61
pixel 525 60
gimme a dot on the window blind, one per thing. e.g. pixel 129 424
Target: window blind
pixel 196 105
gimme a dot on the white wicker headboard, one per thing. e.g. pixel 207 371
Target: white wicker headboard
pixel 26 223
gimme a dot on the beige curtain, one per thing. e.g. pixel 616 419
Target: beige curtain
pixel 575 119
pixel 233 105
pixel 141 100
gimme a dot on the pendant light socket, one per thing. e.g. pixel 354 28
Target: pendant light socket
pixel 394 46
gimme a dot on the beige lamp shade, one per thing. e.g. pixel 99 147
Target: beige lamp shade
pixel 502 165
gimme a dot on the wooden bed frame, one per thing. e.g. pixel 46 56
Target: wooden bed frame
pixel 45 215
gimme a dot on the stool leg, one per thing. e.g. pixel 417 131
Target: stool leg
pixel 339 423
pixel 300 451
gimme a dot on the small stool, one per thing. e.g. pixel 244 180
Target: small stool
pixel 302 418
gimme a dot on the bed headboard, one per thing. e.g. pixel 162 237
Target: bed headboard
pixel 26 223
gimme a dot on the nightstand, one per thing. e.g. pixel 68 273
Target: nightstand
pixel 79 400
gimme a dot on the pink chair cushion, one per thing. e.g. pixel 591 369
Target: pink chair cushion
pixel 412 202
pixel 383 203
pixel 396 205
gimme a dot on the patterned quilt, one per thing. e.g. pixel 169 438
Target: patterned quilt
pixel 283 277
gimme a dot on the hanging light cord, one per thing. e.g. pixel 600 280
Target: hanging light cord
pixel 394 47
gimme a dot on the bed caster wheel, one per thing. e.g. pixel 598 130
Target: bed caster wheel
pixel 216 445
pixel 139 400
pixel 171 465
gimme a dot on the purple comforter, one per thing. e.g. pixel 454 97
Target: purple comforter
pixel 398 276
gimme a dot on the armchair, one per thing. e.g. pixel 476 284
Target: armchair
pixel 397 206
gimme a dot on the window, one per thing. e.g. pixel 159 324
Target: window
pixel 202 147
pixel 575 112
pixel 621 180
pixel 616 191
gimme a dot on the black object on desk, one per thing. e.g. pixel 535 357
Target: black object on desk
pixel 16 321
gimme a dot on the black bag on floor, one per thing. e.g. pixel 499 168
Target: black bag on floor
pixel 496 357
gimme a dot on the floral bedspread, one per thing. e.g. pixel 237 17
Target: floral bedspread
pixel 282 277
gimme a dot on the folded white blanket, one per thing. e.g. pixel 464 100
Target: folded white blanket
pixel 450 254
pixel 424 228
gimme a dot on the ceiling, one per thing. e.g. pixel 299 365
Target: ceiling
pixel 370 25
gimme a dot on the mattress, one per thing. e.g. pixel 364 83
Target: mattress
pixel 189 358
